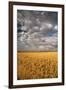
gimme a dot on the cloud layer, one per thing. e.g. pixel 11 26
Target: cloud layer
pixel 37 31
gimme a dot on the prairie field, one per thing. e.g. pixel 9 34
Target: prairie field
pixel 37 65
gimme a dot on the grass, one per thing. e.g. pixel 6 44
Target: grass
pixel 37 65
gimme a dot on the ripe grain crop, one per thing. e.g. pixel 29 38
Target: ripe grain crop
pixel 37 65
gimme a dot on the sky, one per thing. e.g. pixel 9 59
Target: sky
pixel 37 30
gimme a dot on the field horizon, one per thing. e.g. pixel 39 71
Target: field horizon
pixel 37 65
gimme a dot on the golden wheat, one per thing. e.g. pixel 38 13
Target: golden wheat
pixel 37 65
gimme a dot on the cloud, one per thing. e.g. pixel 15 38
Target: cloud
pixel 39 31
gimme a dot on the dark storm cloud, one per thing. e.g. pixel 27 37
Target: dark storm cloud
pixel 37 30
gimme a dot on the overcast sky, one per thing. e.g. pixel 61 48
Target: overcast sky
pixel 37 30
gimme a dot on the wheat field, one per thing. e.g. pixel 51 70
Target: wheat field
pixel 37 65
